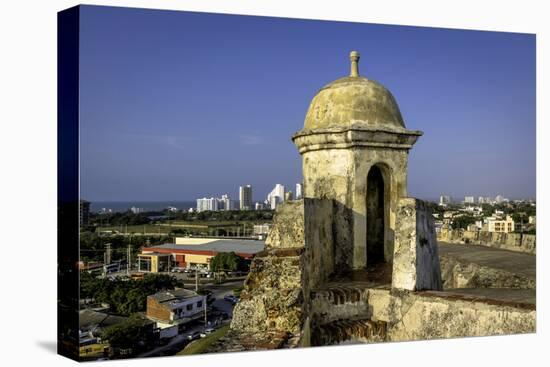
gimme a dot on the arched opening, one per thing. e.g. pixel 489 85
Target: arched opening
pixel 375 217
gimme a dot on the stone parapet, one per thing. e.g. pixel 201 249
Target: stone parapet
pixel 506 241
pixel 416 259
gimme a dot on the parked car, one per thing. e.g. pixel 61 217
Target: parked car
pixel 229 298
pixel 194 335
pixel 207 331
pixel 176 270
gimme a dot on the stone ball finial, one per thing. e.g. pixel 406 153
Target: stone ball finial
pixel 354 58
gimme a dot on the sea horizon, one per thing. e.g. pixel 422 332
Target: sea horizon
pixel 146 205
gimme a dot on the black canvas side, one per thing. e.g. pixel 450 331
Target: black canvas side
pixel 68 23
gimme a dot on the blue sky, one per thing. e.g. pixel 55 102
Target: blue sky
pixel 178 105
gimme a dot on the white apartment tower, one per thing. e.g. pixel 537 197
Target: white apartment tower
pixel 205 204
pixel 276 196
pixel 299 190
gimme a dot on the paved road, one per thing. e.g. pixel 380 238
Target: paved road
pixel 511 261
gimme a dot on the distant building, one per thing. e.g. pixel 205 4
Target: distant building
pixel 503 226
pixel 205 204
pixel 136 210
pixel 533 219
pixel 480 200
pixel 84 212
pixel 154 262
pixel 245 197
pixel 289 196
pixel 262 229
pixel 445 200
pixel 225 203
pixel 276 196
pixel 259 206
pixel 469 200
pixel 172 209
pixel 299 191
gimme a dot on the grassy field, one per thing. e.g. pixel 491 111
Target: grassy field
pixel 199 346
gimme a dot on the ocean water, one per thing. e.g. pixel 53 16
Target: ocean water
pixel 122 206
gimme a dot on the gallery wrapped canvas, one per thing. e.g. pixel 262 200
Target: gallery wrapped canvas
pixel 235 183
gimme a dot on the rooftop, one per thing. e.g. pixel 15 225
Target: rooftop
pixel 222 245
pixel 174 296
pixel 153 254
pixel 90 318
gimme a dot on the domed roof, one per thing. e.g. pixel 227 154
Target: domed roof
pixel 354 101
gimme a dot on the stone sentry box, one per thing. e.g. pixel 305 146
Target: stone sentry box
pixel 317 281
pixel 354 148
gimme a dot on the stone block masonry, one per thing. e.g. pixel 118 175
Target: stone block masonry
pixel 416 258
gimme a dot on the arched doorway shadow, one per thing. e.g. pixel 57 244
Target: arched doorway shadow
pixel 379 264
pixel 375 217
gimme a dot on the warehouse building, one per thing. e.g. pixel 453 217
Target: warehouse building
pixel 196 253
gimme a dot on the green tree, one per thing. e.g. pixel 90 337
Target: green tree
pixel 125 296
pixel 229 261
pixel 463 221
pixel 128 334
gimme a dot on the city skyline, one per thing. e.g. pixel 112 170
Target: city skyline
pixel 166 117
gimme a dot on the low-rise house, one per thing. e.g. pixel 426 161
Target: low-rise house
pixel 90 324
pixel 173 309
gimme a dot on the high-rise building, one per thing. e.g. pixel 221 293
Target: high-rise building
pixel 276 196
pixel 481 200
pixel 205 204
pixel 469 200
pixel 245 197
pixel 84 212
pixel 225 203
pixel 444 200
pixel 299 191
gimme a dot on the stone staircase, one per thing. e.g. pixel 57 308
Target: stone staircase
pixel 341 313
pixel 341 331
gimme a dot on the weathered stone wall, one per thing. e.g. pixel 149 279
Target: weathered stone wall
pixel 337 186
pixel 457 274
pixel 434 315
pixel 298 256
pixel 319 238
pixel 347 186
pixel 508 241
pixel 416 258
pixel 340 310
